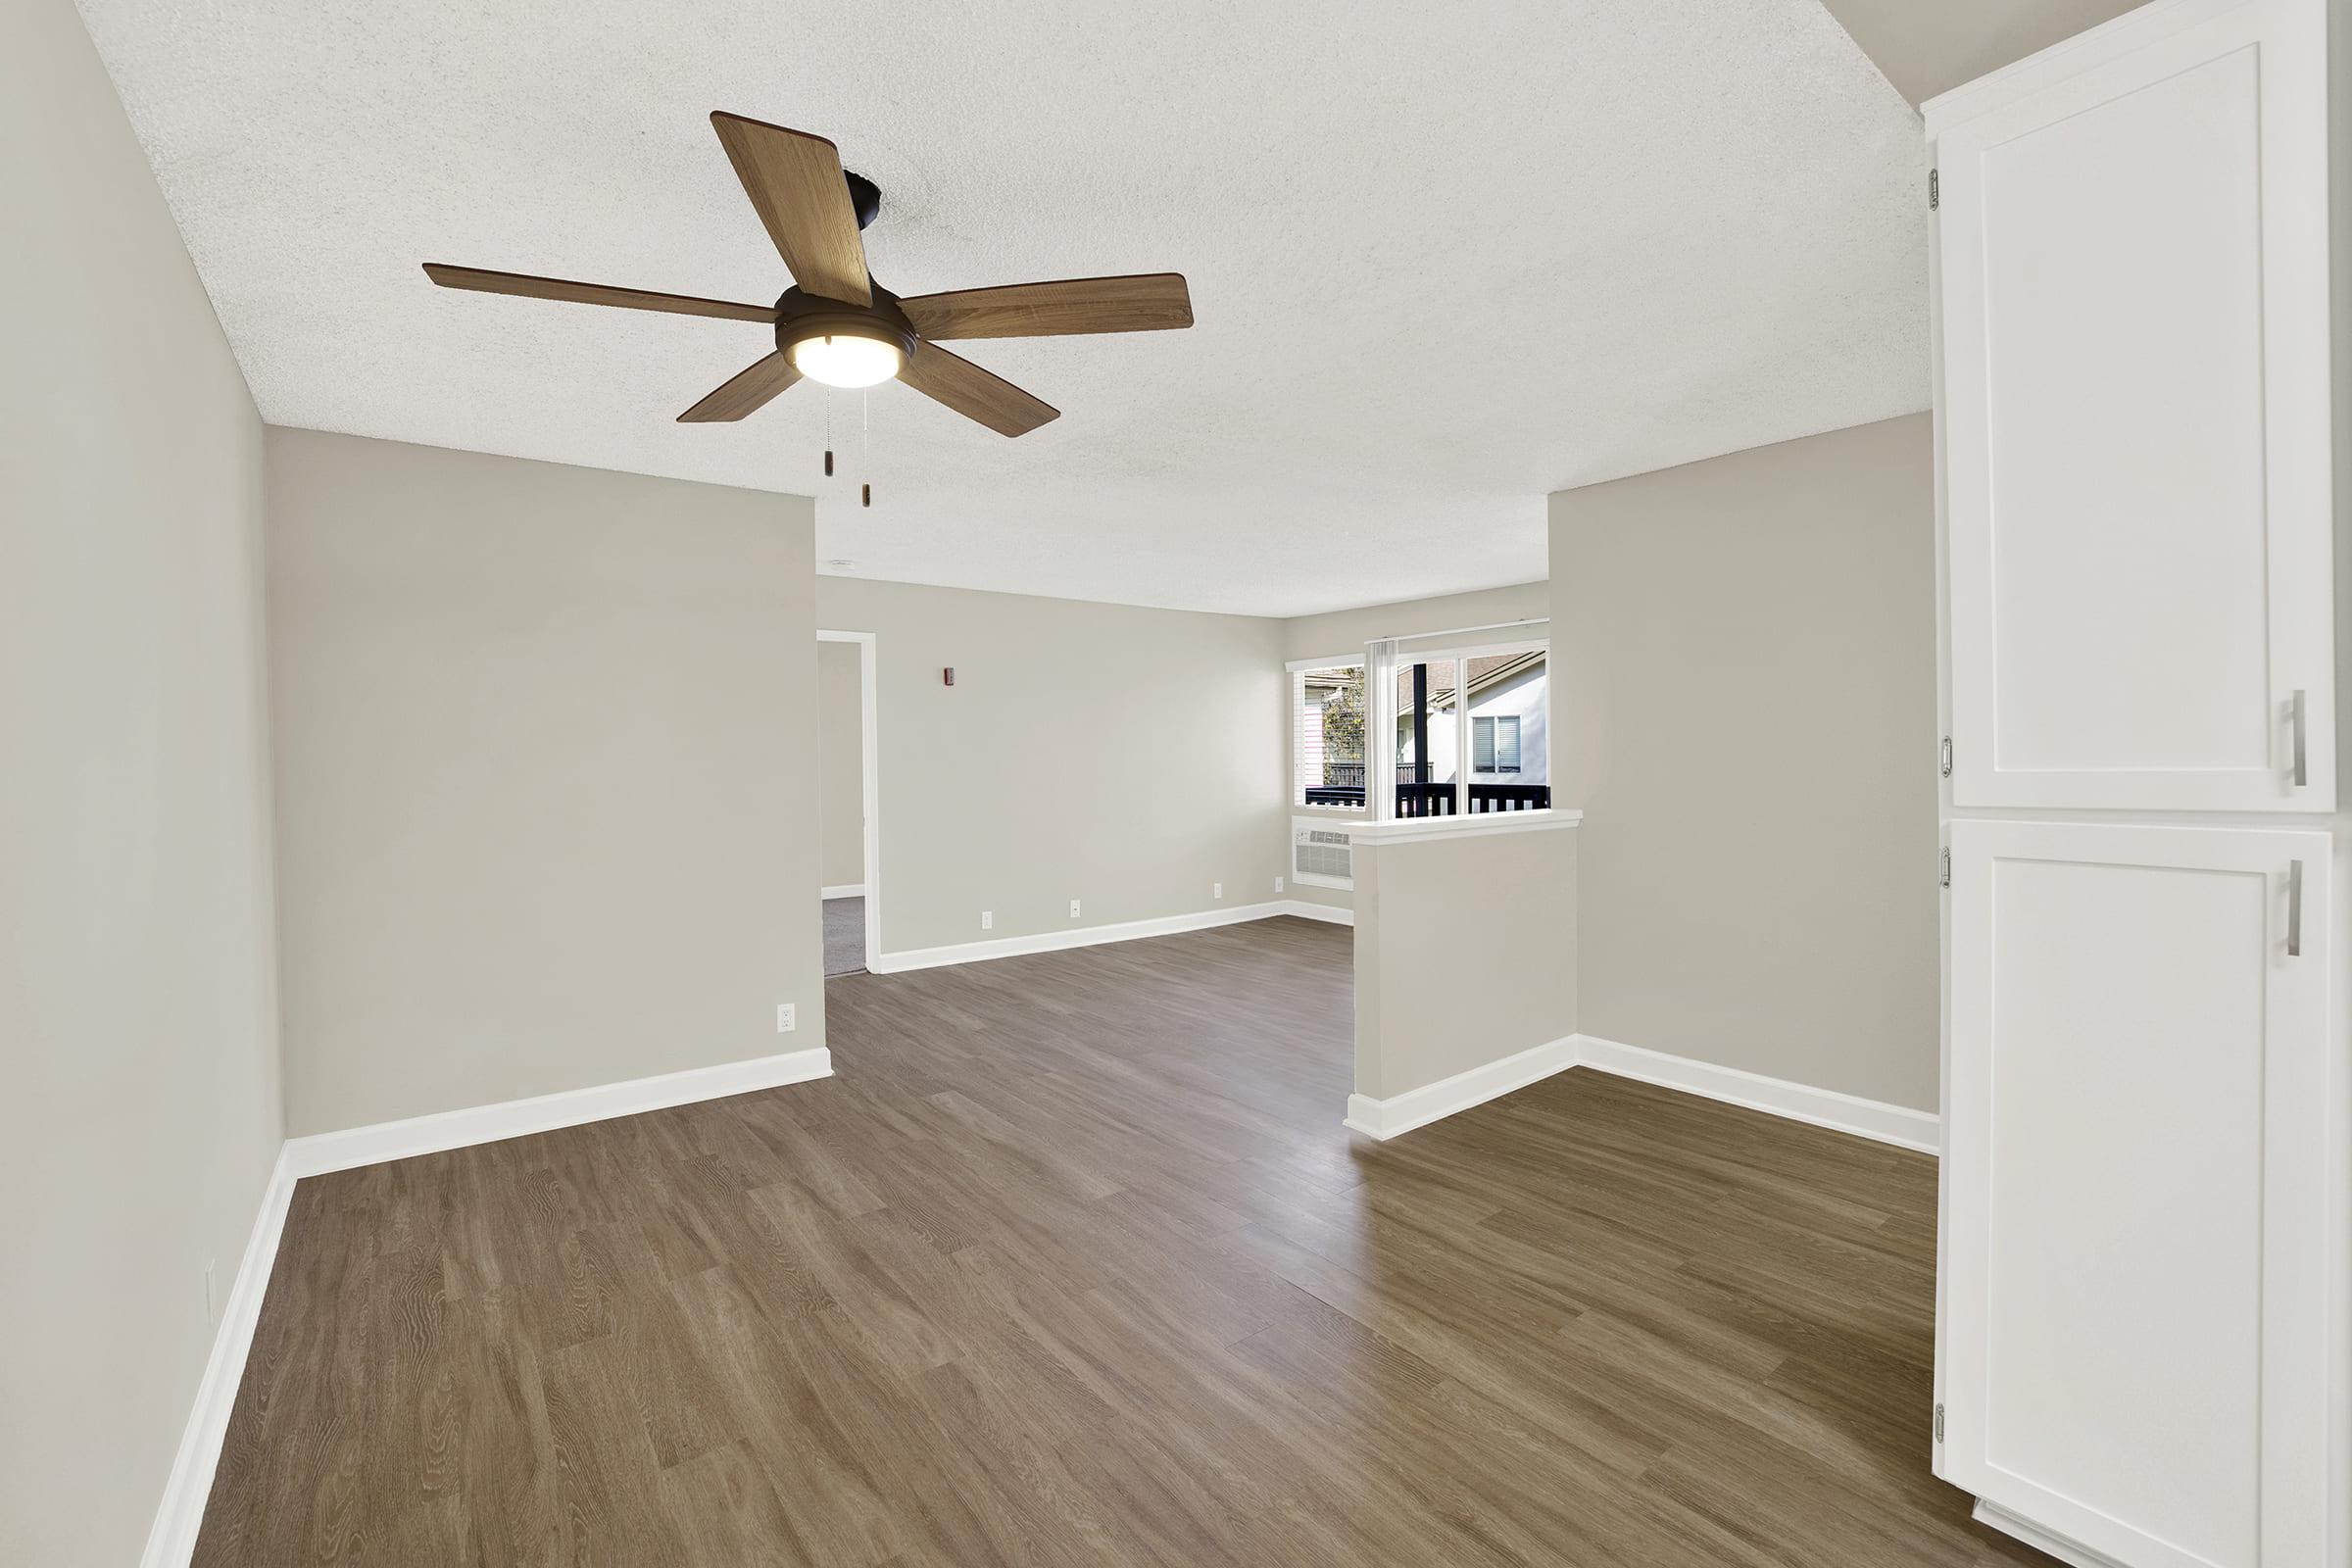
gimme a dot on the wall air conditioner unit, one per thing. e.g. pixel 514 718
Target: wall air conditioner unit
pixel 1322 857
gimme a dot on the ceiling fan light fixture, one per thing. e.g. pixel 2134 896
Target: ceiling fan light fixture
pixel 847 359
pixel 836 325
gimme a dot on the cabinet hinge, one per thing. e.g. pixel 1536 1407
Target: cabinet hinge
pixel 1940 1423
pixel 1946 879
pixel 1947 756
pixel 1935 189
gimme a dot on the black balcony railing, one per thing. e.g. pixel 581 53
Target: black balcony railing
pixel 1437 799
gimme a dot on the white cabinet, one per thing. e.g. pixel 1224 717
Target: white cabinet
pixel 2145 1291
pixel 2137 1168
pixel 2133 282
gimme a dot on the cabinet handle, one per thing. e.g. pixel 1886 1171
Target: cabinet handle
pixel 2294 908
pixel 2302 723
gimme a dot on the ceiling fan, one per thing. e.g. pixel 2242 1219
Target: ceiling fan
pixel 839 328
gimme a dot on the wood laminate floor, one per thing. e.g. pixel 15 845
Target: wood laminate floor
pixel 1073 1263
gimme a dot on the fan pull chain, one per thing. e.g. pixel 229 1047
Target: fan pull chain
pixel 828 433
pixel 866 430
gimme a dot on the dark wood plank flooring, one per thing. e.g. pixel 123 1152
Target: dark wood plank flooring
pixel 1072 1262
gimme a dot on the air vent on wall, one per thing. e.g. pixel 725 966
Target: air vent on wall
pixel 1323 856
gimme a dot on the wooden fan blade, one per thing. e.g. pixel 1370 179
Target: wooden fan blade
pixel 795 180
pixel 745 392
pixel 974 393
pixel 1145 302
pixel 483 281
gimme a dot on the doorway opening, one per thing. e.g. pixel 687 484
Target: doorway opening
pixel 848 800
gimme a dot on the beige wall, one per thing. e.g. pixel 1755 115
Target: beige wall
pixel 1346 631
pixel 1124 758
pixel 841 772
pixel 544 775
pixel 1744 701
pixel 1465 954
pixel 140 1119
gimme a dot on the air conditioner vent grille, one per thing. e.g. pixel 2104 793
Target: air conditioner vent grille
pixel 1323 857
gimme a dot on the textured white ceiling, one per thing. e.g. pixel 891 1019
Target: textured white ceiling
pixel 1445 258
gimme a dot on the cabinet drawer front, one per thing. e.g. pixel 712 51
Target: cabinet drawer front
pixel 2133 275
pixel 2137 1201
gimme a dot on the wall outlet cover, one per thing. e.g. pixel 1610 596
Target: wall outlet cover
pixel 988 919
pixel 1278 884
pixel 1216 890
pixel 787 1017
pixel 1073 909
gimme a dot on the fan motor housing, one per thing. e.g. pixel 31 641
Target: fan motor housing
pixel 865 197
pixel 802 315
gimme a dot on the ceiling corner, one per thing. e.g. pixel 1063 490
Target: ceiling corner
pixel 1925 48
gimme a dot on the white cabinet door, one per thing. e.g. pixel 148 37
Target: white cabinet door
pixel 2131 259
pixel 2138 1249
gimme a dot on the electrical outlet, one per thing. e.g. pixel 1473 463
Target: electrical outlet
pixel 1073 909
pixel 988 919
pixel 1216 890
pixel 209 1307
pixel 1278 884
pixel 787 1017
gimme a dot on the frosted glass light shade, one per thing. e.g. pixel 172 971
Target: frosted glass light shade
pixel 844 361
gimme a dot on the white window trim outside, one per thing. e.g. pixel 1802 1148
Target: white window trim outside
pixel 1495 733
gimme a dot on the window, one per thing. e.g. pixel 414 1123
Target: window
pixel 1494 743
pixel 1428 750
pixel 1480 716
pixel 1423 733
pixel 1327 729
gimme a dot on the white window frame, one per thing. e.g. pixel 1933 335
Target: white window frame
pixel 1296 687
pixel 1382 661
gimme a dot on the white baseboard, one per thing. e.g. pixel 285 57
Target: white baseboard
pixel 846 890
pixel 1874 1119
pixel 179 1516
pixel 1318 912
pixel 2040 1540
pixel 1418 1108
pixel 1085 936
pixel 1820 1107
pixel 320 1153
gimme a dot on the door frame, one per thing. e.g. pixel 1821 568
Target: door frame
pixel 869 771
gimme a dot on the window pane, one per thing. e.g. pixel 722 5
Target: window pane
pixel 1507 700
pixel 1329 735
pixel 1428 743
